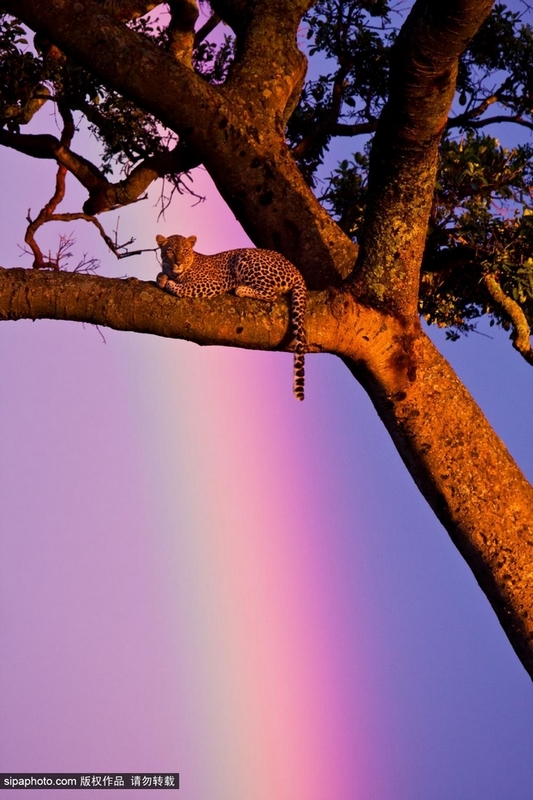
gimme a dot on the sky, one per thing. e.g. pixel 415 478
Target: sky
pixel 201 575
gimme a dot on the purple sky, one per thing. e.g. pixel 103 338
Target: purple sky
pixel 147 486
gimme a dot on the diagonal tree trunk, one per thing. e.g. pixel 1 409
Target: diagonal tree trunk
pixel 456 459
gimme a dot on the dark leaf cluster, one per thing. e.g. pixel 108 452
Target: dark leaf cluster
pixel 127 133
pixel 22 75
pixel 212 60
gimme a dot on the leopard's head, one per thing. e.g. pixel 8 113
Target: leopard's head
pixel 177 254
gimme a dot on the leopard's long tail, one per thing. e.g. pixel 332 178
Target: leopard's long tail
pixel 298 302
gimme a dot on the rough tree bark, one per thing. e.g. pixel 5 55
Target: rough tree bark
pixel 370 320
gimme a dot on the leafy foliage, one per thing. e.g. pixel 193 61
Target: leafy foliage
pixel 126 132
pixel 21 75
pixel 481 223
pixel 345 194
pixel 497 65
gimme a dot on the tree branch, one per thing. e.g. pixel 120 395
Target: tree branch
pixel 470 119
pixel 183 16
pixel 404 154
pixel 469 116
pixel 461 467
pixel 522 334
pixel 47 146
pixel 207 28
pixel 47 212
pixel 355 129
pixel 321 130
pixel 103 195
pixel 516 119
pixel 112 195
pixel 266 47
pixel 142 307
pixel 334 321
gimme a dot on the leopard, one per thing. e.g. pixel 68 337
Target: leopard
pixel 249 272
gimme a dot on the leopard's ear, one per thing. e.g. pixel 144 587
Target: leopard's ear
pixel 161 240
pixel 191 240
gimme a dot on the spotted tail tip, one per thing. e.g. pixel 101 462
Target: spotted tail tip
pixel 299 378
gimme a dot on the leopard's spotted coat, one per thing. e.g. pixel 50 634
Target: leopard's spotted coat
pixel 262 274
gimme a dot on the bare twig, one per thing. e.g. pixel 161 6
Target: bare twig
pixel 47 212
pixel 516 119
pixel 469 116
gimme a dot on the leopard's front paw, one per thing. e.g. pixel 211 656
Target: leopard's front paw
pixel 162 280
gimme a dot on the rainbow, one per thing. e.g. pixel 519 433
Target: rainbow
pixel 269 680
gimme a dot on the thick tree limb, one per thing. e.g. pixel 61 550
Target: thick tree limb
pixel 460 465
pixel 268 62
pixel 143 307
pixel 464 471
pixel 404 154
pixel 183 16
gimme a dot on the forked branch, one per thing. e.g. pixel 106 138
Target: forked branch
pixel 48 212
pixel 424 64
